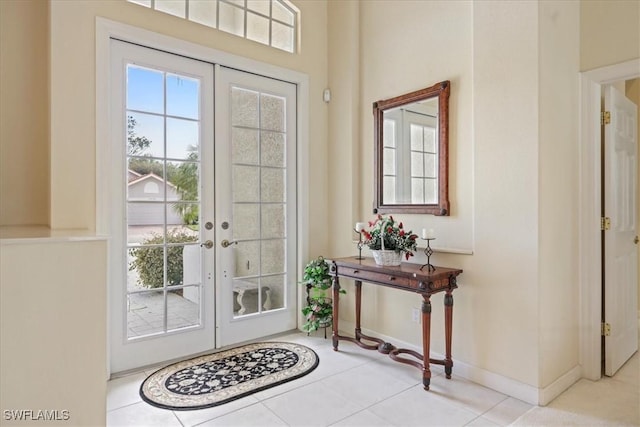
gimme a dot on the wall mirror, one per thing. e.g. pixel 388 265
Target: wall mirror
pixel 411 152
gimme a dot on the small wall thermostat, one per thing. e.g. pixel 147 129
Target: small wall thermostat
pixel 326 95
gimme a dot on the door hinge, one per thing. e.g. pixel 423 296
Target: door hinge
pixel 605 223
pixel 605 329
pixel 605 117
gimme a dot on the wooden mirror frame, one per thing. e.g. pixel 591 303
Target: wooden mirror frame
pixel 441 91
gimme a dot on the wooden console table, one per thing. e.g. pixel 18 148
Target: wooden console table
pixel 406 277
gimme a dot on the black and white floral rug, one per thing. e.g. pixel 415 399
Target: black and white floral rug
pixel 221 377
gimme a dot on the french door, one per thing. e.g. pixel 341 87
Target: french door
pixel 176 286
pixel 256 154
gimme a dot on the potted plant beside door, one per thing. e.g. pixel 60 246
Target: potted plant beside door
pixel 318 312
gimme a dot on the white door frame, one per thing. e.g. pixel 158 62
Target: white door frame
pixel 106 30
pixel 590 190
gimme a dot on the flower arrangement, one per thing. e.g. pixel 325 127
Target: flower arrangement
pixel 387 234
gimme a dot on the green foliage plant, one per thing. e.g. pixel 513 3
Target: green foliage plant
pixel 319 309
pixel 149 259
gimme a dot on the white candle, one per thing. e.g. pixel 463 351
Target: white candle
pixel 360 226
pixel 427 234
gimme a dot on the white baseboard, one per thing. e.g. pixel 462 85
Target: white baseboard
pixel 553 390
pixel 497 382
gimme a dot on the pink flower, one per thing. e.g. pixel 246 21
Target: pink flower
pixel 400 226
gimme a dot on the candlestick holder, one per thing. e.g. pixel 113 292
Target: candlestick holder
pixel 360 244
pixel 428 252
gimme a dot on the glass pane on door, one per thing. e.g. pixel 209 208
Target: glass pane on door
pixel 164 280
pixel 258 196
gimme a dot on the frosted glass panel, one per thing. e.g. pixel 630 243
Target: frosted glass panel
pixel 246 184
pixel 145 90
pixel 389 166
pixel 282 37
pixel 182 96
pixel 417 190
pixel 145 135
pixel 173 7
pixel 257 28
pixel 430 165
pixel 416 138
pixel 275 289
pixel 417 165
pixel 182 139
pixel 260 6
pixel 272 185
pixel 246 298
pixel 281 13
pixel 430 140
pixel 203 12
pixel 272 112
pixel 244 108
pixel 273 149
pixel 231 19
pixel 146 3
pixel 246 258
pixel 273 256
pixel 245 146
pixel 246 221
pixel 273 221
pixel 431 191
pixel 389 134
pixel 389 187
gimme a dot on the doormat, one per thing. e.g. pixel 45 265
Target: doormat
pixel 222 377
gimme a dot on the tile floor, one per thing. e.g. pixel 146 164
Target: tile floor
pixel 362 394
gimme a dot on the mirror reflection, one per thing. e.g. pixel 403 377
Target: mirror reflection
pixel 411 152
pixel 410 169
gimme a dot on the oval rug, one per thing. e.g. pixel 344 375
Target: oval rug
pixel 221 377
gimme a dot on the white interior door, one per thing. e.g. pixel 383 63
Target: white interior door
pixel 161 275
pixel 255 205
pixel 620 241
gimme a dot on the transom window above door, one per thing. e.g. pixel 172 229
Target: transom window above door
pixel 270 22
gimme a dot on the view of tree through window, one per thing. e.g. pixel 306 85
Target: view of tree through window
pixel 163 201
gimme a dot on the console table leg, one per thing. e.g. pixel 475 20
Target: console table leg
pixel 336 305
pixel 448 325
pixel 358 284
pixel 426 343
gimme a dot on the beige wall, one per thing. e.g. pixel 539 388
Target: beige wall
pixel 53 328
pixel 513 124
pixel 609 32
pixel 73 96
pixel 24 122
pixel 558 179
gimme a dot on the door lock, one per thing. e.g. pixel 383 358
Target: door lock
pixel 208 244
pixel 225 243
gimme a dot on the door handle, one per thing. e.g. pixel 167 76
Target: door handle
pixel 225 243
pixel 208 244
